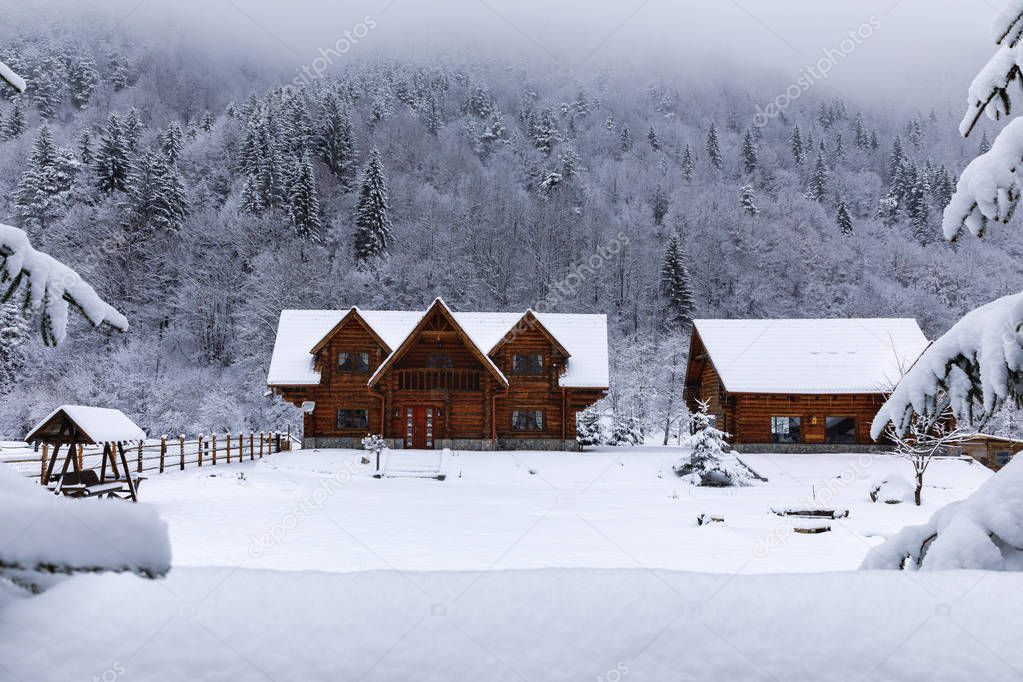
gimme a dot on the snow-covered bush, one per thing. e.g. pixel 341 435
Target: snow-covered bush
pixel 707 464
pixel 893 489
pixel 590 428
pixel 375 443
pixel 43 536
pixel 626 431
pixel 984 531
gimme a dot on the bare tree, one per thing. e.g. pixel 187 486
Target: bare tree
pixel 925 439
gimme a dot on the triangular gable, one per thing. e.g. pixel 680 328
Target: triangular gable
pixel 441 308
pixel 94 425
pixel 529 321
pixel 352 314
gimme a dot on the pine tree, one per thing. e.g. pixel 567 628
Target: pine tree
pixel 625 430
pixel 85 147
pixel 14 125
pixel 714 148
pixel 132 128
pixel 335 142
pixel 860 137
pixel 706 460
pixel 304 204
pixel 688 164
pixel 372 220
pixel 543 131
pixel 748 200
pixel 82 79
pixel 817 188
pixel 651 137
pixel 14 338
pixel 44 190
pixel 985 144
pixel 844 220
pixel 47 89
pixel 875 144
pixel 111 164
pixel 916 207
pixel 569 162
pixel 155 195
pixel 897 158
pixel 839 153
pixel 589 428
pixel 796 143
pixel 750 158
pixel 625 139
pixel 432 118
pixel 676 288
pixel 172 142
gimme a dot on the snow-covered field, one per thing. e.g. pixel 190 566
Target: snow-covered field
pixel 523 566
pixel 612 508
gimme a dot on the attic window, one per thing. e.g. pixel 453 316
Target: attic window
pixel 353 362
pixel 527 363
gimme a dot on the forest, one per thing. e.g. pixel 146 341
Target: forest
pixel 202 196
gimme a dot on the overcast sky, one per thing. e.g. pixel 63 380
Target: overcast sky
pixel 924 45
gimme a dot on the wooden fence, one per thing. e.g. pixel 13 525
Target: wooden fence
pixel 160 455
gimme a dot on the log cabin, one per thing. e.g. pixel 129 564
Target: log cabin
pixel 439 378
pixel 791 384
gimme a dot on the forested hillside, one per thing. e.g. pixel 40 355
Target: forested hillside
pixel 202 197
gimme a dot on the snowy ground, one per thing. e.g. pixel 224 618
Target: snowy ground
pixel 303 567
pixel 320 510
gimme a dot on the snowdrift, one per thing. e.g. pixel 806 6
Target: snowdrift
pixel 984 531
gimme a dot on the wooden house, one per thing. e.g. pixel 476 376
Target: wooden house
pixel 439 378
pixel 791 383
pixel 994 452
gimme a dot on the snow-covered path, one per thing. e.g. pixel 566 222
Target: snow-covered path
pixel 320 510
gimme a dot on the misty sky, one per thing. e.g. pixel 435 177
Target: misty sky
pixel 921 45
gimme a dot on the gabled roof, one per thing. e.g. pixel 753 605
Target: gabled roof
pixel 527 322
pixel 94 424
pixel 584 338
pixel 440 307
pixel 352 314
pixel 811 356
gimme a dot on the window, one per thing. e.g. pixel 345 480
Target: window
pixel 840 430
pixel 439 361
pixel 527 420
pixel 786 430
pixel 352 419
pixel 353 362
pixel 1002 457
pixel 527 363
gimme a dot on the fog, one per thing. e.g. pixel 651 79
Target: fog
pixel 928 49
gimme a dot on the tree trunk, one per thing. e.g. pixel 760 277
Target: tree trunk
pixel 919 488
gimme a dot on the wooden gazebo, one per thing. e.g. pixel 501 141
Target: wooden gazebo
pixel 71 426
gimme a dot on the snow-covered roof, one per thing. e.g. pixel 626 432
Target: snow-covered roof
pixel 811 356
pixel 299 331
pixel 98 424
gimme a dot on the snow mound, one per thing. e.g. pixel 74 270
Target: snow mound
pixel 892 489
pixel 978 363
pixel 44 533
pixel 984 531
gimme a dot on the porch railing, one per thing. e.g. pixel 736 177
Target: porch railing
pixel 429 379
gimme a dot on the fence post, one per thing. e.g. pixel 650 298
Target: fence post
pixel 163 451
pixel 80 452
pixel 43 459
pixel 181 450
pixel 228 440
pixel 138 467
pixel 200 446
pixel 289 438
pixel 213 448
pixel 252 446
pixel 277 438
pixel 261 445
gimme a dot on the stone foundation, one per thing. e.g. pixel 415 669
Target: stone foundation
pixel 809 448
pixel 483 445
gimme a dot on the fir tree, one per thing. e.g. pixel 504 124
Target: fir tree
pixel 304 204
pixel 706 461
pixel 372 220
pixel 111 164
pixel 155 195
pixel 589 428
pixel 748 200
pixel 817 189
pixel 610 123
pixel 714 148
pixel 85 147
pixel 796 144
pixel 44 190
pixel 897 158
pixel 172 142
pixel 14 125
pixel 844 220
pixel 432 118
pixel 14 338
pixel 985 144
pixel 335 142
pixel 750 158
pixel 688 164
pixel 82 79
pixel 543 131
pixel 651 137
pixel 625 139
pixel 569 162
pixel 132 128
pixel 860 136
pixel 676 288
pixel 916 207
pixel 839 152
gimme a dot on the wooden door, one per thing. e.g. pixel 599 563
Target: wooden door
pixel 419 427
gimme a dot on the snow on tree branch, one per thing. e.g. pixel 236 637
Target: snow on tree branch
pixel 11 78
pixel 52 286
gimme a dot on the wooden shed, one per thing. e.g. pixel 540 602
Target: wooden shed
pixel 994 452
pixel 798 381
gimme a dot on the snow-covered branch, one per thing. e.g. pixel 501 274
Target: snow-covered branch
pixel 51 285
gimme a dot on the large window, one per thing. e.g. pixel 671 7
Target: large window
pixel 353 362
pixel 527 363
pixel 840 430
pixel 352 419
pixel 439 361
pixel 786 430
pixel 1002 457
pixel 527 420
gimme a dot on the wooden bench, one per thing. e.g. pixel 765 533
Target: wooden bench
pixel 88 484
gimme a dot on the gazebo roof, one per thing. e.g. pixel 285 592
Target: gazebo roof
pixel 94 425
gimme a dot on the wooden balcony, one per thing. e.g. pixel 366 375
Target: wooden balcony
pixel 448 379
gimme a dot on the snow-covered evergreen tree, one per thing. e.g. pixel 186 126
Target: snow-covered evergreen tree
pixel 750 157
pixel 155 195
pixel 707 464
pixel 796 145
pixel 372 213
pixel 844 219
pixel 304 202
pixel 676 287
pixel 916 207
pixel 172 142
pixel 651 137
pixel 625 139
pixel 335 142
pixel 14 123
pixel 85 147
pixel 111 164
pixel 714 147
pixel 44 190
pixel 688 164
pixel 817 188
pixel 626 430
pixel 14 333
pixel 590 428
pixel 82 79
pixel 748 201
